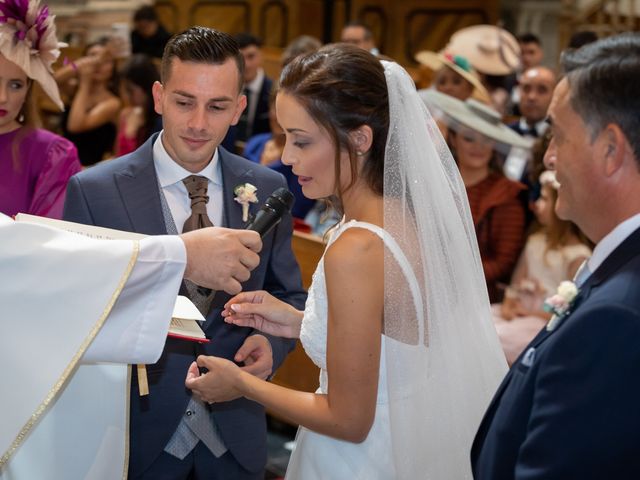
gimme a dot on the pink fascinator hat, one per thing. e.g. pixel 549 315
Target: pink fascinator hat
pixel 28 39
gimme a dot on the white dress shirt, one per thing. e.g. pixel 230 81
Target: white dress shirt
pixel 170 176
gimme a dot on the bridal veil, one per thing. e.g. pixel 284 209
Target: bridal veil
pixel 442 356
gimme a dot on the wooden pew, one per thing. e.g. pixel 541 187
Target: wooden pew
pixel 298 371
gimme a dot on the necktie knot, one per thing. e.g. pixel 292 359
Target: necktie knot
pixel 197 187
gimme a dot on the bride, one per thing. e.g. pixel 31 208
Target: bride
pixel 397 317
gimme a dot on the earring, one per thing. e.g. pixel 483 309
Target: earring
pixel 21 118
pixel 360 154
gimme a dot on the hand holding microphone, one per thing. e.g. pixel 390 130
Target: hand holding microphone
pixel 225 260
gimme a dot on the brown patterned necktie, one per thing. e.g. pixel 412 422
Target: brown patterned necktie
pixel 197 188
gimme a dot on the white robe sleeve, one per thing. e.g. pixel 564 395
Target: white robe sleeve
pixel 137 326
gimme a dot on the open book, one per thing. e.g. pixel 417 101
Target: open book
pixel 186 315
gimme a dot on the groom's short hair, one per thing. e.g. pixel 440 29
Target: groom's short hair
pixel 603 77
pixel 202 45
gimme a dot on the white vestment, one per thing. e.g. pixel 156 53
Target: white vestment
pixel 69 305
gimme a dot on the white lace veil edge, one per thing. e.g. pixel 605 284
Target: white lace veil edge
pixel 442 356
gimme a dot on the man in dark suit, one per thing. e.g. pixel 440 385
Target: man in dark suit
pixel 165 184
pixel 257 88
pixel 536 88
pixel 568 409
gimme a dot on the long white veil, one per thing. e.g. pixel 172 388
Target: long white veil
pixel 442 355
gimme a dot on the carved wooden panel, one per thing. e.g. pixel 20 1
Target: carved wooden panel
pixel 169 15
pixel 229 16
pixel 400 27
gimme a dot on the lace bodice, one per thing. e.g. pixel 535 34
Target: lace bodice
pixel 313 332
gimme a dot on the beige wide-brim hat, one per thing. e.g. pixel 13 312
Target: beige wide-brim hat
pixel 435 61
pixel 474 115
pixel 490 49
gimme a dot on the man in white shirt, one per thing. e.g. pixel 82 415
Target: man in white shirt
pixel 69 302
pixel 569 406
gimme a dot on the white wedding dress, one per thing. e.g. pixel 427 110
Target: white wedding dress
pixel 318 456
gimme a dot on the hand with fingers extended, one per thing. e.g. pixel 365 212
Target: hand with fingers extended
pixel 219 384
pixel 221 258
pixel 264 312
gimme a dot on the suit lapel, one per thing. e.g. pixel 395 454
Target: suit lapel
pixel 138 186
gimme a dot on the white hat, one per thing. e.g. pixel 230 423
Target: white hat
pixel 490 49
pixel 474 115
pixel 28 39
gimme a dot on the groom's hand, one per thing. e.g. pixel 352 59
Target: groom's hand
pixel 257 355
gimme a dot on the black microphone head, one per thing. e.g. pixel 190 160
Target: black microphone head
pixel 281 200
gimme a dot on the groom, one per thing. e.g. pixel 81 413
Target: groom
pixel 178 180
pixel 570 406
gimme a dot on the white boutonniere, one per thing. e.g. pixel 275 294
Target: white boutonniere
pixel 245 194
pixel 560 303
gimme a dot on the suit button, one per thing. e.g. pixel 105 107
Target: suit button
pixel 189 413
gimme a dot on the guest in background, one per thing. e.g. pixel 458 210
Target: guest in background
pixel 90 122
pixel 359 34
pixel 454 76
pixel 531 56
pixel 138 119
pixel 257 88
pixel 148 35
pixel 298 46
pixel 551 255
pixel 475 137
pixel 35 164
pixel 495 55
pixel 536 88
pixel 531 53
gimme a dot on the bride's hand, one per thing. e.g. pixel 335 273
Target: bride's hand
pixel 264 312
pixel 219 384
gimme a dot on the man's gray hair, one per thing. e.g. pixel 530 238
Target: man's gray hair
pixel 605 85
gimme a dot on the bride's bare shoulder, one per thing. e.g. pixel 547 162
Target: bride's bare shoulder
pixel 355 251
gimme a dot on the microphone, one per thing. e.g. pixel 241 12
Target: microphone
pixel 270 214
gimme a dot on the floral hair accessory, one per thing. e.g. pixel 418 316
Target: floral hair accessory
pixel 28 39
pixel 548 177
pixel 560 303
pixel 245 194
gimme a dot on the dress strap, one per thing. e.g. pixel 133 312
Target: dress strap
pixel 402 260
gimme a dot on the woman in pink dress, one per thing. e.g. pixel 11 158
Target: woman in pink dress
pixel 35 164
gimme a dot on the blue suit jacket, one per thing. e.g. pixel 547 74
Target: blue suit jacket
pixel 570 408
pixel 124 194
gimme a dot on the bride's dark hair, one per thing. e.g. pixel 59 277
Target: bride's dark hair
pixel 343 87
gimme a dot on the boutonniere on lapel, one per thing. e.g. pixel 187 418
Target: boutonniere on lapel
pixel 560 303
pixel 245 194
